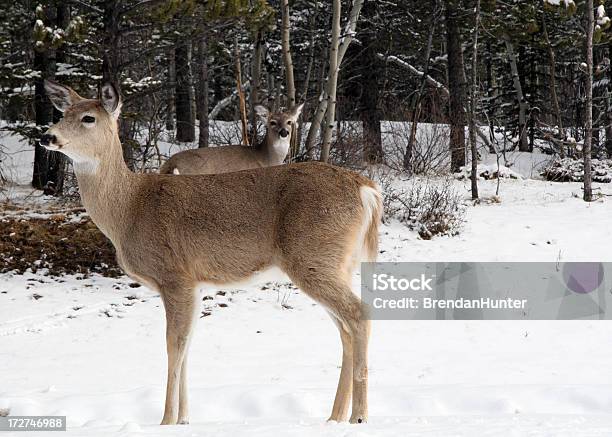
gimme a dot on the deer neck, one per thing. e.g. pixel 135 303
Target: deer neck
pixel 275 149
pixel 107 187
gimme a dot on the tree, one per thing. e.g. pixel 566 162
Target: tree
pixel 520 96
pixel 332 81
pixel 456 85
pixel 473 99
pixel 416 108
pixel 44 64
pixel 324 99
pixel 49 43
pixel 185 120
pixel 369 96
pixel 289 79
pixel 203 91
pixel 588 102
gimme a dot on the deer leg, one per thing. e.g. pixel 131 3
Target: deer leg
pixel 332 290
pixel 180 304
pixel 360 330
pixel 183 410
pixel 343 393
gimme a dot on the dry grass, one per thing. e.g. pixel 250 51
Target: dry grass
pixel 60 244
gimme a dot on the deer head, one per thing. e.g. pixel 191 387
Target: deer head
pixel 279 124
pixel 88 125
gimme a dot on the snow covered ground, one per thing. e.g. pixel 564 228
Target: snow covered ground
pixel 265 362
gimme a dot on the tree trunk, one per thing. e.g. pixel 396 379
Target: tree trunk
pixel 416 108
pixel 203 91
pixel 44 116
pixel 522 124
pixel 255 84
pixel 171 86
pixel 290 81
pixel 332 81
pixel 473 101
pixel 608 117
pixel 57 160
pixel 456 85
pixel 588 109
pixel 287 61
pixel 317 118
pixel 110 42
pixel 46 174
pixel 319 115
pixel 111 68
pixel 307 78
pixel 553 88
pixel 370 111
pixel 490 93
pixel 241 98
pixel 185 122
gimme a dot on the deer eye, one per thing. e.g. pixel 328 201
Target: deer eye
pixel 289 122
pixel 88 119
pixel 272 123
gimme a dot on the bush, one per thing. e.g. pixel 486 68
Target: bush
pixel 429 207
pixel 572 170
pixel 488 172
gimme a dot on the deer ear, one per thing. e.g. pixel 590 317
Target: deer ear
pixel 111 99
pixel 61 96
pixel 296 111
pixel 262 112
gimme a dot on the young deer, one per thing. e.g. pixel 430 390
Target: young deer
pixel 174 233
pixel 225 159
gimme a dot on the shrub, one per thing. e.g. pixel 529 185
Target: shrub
pixel 572 170
pixel 430 207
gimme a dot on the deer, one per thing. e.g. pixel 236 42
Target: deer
pixel 175 233
pixel 224 159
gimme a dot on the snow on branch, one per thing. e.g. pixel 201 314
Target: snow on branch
pixel 225 102
pixel 567 3
pixel 430 80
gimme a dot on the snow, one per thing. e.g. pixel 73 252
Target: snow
pixel 267 363
pixel 490 171
pixel 566 3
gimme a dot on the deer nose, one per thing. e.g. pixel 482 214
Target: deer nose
pixel 284 133
pixel 47 139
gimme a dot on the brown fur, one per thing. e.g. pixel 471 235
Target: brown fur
pixel 225 159
pixel 173 232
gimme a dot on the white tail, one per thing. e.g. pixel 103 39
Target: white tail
pixel 172 233
pixel 225 159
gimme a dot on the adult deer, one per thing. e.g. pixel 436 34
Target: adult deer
pixel 173 233
pixel 225 159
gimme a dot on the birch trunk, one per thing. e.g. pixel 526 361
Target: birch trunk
pixel 287 61
pixel 333 81
pixel 256 84
pixel 241 99
pixel 319 114
pixel 290 81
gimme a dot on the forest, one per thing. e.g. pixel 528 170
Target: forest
pixel 157 156
pixel 516 74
